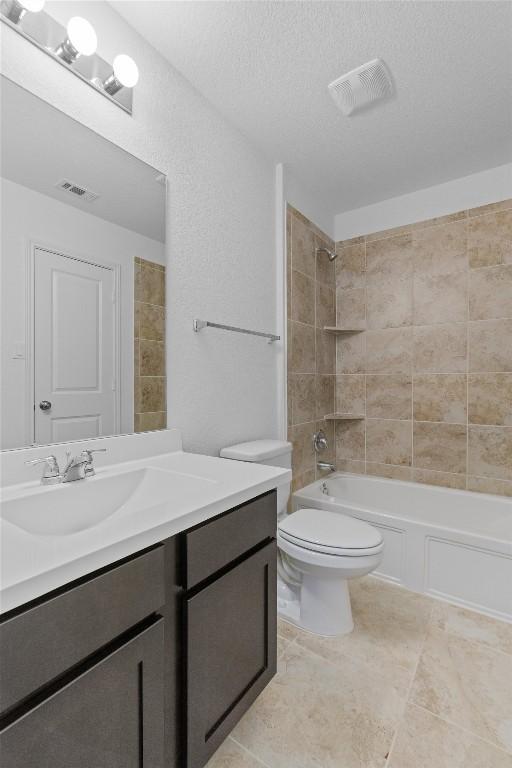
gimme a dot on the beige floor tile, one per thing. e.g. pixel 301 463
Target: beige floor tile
pixel 282 645
pixel 286 630
pixel 467 684
pixel 390 625
pixel 315 715
pixel 231 755
pixel 425 741
pixel 472 626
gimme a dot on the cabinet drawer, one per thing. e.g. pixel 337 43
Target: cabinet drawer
pixel 47 639
pixel 214 544
pixel 231 650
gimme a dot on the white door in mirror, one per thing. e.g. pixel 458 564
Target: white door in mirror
pixel 74 349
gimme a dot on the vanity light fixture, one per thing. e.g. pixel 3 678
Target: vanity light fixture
pixel 74 47
pixel 81 40
pixel 16 9
pixel 125 74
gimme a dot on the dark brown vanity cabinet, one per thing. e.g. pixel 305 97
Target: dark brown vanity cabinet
pixel 150 662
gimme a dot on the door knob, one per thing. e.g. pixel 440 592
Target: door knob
pixel 45 405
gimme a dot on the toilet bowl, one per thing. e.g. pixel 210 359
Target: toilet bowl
pixel 354 548
pixel 318 551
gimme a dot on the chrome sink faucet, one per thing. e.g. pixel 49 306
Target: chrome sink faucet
pixel 77 467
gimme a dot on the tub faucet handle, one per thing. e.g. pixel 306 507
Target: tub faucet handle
pixel 320 441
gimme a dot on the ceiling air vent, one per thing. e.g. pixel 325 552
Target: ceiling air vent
pixel 77 190
pixel 361 86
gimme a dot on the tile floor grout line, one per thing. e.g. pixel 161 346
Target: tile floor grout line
pixel 409 689
pixel 459 727
pixel 266 765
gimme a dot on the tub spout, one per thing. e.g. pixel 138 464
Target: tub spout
pixel 323 465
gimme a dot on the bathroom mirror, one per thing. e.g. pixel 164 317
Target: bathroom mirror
pixel 83 280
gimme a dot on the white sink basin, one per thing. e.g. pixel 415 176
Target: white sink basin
pixel 69 508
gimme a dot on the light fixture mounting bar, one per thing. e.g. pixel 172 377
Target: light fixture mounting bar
pixel 45 33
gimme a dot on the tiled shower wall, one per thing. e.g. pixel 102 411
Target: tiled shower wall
pixel 149 346
pixel 432 372
pixel 311 351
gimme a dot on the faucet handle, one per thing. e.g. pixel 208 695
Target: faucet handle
pixel 51 472
pixel 87 456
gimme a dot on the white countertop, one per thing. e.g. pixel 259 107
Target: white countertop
pixel 33 564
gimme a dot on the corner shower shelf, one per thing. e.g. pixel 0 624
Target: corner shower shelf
pixel 338 329
pixel 343 417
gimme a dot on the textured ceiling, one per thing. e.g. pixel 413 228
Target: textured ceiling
pixel 266 66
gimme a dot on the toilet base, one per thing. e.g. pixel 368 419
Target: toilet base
pixel 322 606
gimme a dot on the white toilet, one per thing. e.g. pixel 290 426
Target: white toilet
pixel 319 551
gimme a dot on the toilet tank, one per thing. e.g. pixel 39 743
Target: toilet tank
pixel 273 453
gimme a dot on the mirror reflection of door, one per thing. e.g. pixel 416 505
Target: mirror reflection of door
pixel 75 349
pixel 82 223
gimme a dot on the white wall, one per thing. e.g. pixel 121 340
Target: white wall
pixel 456 195
pixel 29 217
pixel 221 244
pixel 315 207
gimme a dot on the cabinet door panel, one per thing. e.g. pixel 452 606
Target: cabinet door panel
pixel 111 716
pixel 231 650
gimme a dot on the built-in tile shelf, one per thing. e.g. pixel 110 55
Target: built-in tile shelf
pixel 343 417
pixel 338 329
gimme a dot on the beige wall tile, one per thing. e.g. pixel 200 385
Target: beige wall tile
pixel 152 322
pixel 325 394
pixel 389 305
pixel 152 285
pixel 300 481
pixel 440 348
pixel 350 395
pixel 350 353
pixel 490 345
pixel 490 239
pixel 303 397
pixel 439 220
pixel 351 266
pixel 325 352
pixel 289 398
pixel 325 269
pixel 490 398
pixel 325 306
pixel 147 422
pixel 350 307
pixel 303 247
pixel 302 349
pixel 350 440
pixel 389 260
pixel 444 479
pixel 388 442
pixel 490 293
pixel 392 232
pixel 303 456
pixel 389 350
pixel 440 250
pixel 389 471
pixel 136 357
pixel 440 397
pixel 440 447
pixel 151 395
pixel 152 358
pixel 389 397
pixel 490 452
pixel 440 298
pixel 303 298
pixel 351 465
pixel 489 485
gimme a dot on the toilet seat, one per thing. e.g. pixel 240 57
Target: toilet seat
pixel 332 533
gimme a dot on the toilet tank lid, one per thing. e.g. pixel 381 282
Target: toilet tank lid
pixel 257 450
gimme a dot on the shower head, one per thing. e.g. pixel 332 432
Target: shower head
pixel 329 253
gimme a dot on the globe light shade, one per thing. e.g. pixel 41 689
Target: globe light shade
pixel 126 70
pixel 82 36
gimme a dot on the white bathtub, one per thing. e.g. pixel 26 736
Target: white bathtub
pixel 453 545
